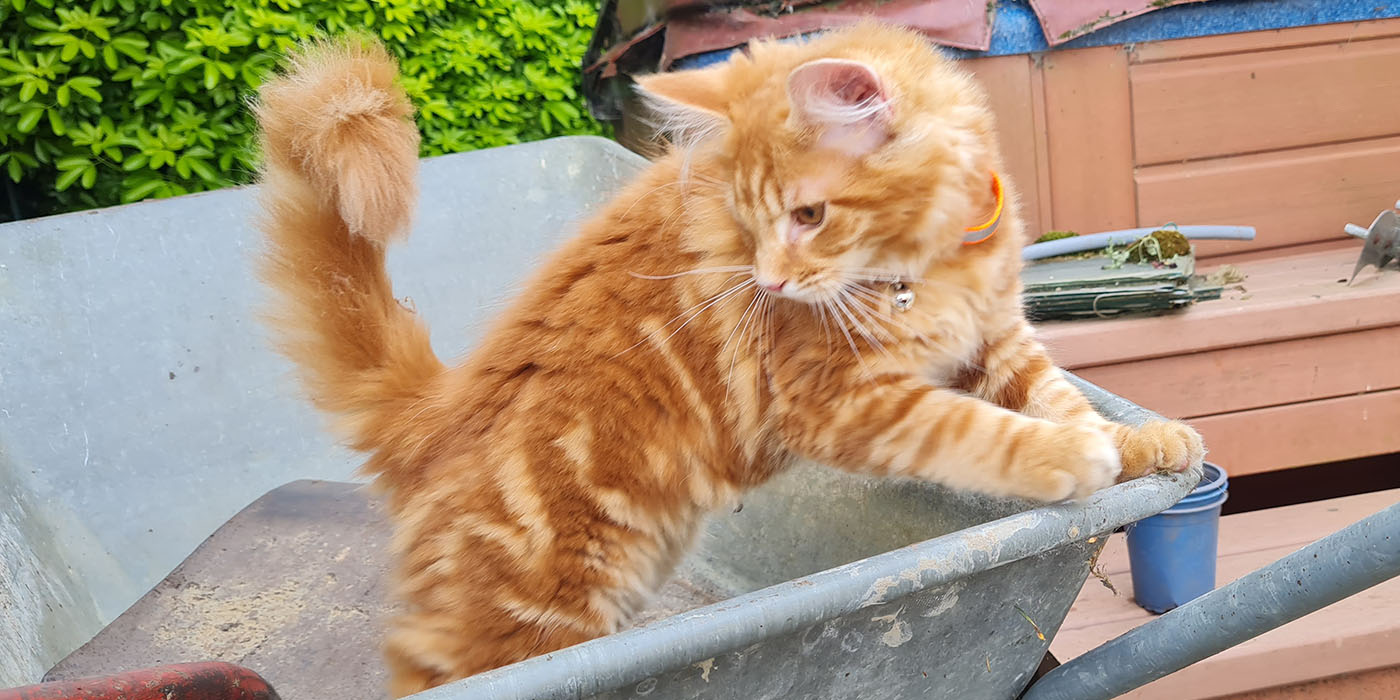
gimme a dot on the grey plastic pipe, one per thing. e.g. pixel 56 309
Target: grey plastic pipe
pixel 1094 241
pixel 1342 564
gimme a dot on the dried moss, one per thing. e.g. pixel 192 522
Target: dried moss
pixel 1168 244
pixel 1055 236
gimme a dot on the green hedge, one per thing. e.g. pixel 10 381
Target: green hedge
pixel 109 101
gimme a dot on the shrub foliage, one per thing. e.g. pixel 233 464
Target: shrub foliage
pixel 110 101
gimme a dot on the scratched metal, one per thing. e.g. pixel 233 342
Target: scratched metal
pixel 141 405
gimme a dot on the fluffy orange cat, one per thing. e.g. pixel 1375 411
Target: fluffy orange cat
pixel 827 269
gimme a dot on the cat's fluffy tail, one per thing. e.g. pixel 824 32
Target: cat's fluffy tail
pixel 339 181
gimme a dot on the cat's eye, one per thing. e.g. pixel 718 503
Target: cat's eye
pixel 809 215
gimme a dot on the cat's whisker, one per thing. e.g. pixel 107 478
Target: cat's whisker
pixel 876 274
pixel 699 271
pixel 849 340
pixel 707 303
pixel 867 303
pixel 826 329
pixel 843 300
pixel 744 320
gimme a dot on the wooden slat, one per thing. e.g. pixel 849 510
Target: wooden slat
pixel 1290 197
pixel 1269 439
pixel 1256 376
pixel 1262 101
pixel 1007 80
pixel 1196 47
pixel 1292 296
pixel 1041 129
pixel 1089 121
pixel 1359 633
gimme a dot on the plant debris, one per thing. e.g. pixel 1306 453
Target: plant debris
pixel 1097 572
pixel 1034 626
pixel 1160 246
pixel 1055 236
pixel 1225 275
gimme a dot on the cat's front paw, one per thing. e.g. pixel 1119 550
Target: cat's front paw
pixel 1076 461
pixel 1159 446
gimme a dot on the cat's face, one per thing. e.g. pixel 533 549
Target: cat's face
pixel 842 162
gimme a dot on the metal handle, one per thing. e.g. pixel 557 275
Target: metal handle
pixel 1342 564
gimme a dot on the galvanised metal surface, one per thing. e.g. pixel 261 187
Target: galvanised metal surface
pixel 141 404
pixel 1342 564
pixel 960 615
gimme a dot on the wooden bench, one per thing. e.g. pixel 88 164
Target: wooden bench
pixel 1350 649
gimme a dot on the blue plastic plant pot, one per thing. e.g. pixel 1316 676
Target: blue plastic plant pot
pixel 1172 554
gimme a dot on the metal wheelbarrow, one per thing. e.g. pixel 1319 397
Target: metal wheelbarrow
pixel 141 409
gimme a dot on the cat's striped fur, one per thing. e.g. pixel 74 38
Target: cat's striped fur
pixel 543 488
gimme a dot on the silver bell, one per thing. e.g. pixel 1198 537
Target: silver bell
pixel 903 296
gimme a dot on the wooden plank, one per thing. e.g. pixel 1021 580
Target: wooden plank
pixel 1262 101
pixel 1257 376
pixel 1007 81
pixel 1290 197
pixel 1196 47
pixel 1288 297
pixel 1315 432
pixel 1359 633
pixel 1042 145
pixel 1089 122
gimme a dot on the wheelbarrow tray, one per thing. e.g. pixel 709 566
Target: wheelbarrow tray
pixel 143 408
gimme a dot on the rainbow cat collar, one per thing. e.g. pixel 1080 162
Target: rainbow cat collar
pixel 977 234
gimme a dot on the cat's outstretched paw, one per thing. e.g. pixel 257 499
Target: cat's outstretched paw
pixel 1077 461
pixel 1159 446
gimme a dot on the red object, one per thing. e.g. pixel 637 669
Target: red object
pixel 198 681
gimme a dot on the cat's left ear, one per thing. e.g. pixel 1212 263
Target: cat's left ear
pixel 845 100
pixel 689 103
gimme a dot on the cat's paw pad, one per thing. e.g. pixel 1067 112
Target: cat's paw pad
pixel 1160 446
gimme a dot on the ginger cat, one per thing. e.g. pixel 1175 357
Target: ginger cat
pixel 819 271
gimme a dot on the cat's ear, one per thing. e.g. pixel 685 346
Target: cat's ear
pixel 689 104
pixel 845 100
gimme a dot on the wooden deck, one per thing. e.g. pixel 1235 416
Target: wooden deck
pixel 1296 368
pixel 1290 131
pixel 1357 638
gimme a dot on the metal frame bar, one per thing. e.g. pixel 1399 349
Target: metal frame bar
pixel 1342 564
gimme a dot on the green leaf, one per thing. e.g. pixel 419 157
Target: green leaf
pixel 61 95
pixel 211 76
pixel 141 190
pixel 43 23
pixel 132 45
pixel 56 122
pixel 72 163
pixel 67 179
pixel 86 86
pixel 203 170
pixel 29 118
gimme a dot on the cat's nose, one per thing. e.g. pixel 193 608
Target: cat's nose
pixel 773 286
